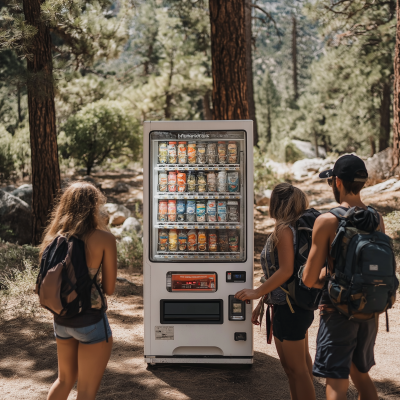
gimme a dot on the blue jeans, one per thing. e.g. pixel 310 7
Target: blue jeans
pixel 91 334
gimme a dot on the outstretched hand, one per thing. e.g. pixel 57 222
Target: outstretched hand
pixel 247 294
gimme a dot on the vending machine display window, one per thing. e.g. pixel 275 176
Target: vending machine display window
pixel 198 187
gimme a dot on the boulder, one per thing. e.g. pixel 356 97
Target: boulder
pixel 24 192
pixel 8 188
pixel 112 208
pixel 121 187
pixel 117 218
pixel 280 169
pixel 309 166
pixel 387 186
pixel 15 219
pixel 379 165
pixel 308 149
pixel 131 224
pixel 263 199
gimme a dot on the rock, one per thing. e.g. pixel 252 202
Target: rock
pixel 308 149
pixel 318 202
pixel 386 186
pixel 127 239
pixel 308 167
pixel 379 165
pixel 263 199
pixel 121 187
pixel 279 169
pixel 24 192
pixel 131 224
pixel 112 208
pixel 117 218
pixel 8 188
pixel 117 232
pixel 137 196
pixel 16 219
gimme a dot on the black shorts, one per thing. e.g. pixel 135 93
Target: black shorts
pixel 341 342
pixel 291 326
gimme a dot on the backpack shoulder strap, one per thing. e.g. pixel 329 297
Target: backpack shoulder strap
pixel 339 212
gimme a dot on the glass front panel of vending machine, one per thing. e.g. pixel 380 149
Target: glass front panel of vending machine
pixel 198 190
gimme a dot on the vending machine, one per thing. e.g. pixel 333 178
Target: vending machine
pixel 197 241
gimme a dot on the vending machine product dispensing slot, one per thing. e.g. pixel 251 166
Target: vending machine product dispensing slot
pixel 197 241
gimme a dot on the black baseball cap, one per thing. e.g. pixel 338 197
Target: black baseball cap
pixel 346 168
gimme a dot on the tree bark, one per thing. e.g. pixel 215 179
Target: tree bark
pixel 316 144
pixel 373 145
pixel 249 70
pixel 294 58
pixel 228 51
pixel 207 111
pixel 42 121
pixel 396 95
pixel 384 134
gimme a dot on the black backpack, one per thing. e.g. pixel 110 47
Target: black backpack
pixel 364 282
pixel 304 297
pixel 63 284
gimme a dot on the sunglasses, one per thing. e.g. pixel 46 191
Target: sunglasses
pixel 330 181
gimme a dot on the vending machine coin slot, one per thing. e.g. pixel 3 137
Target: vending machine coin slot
pixel 240 336
pixel 198 282
pixel 237 309
pixel 236 276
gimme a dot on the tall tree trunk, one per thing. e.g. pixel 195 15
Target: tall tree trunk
pixel 269 123
pixel 294 58
pixel 249 70
pixel 384 134
pixel 228 50
pixel 373 145
pixel 316 144
pixel 396 94
pixel 19 102
pixel 207 111
pixel 42 121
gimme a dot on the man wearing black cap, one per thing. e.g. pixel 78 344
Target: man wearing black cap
pixel 344 347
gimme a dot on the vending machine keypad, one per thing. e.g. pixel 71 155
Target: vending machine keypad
pixel 237 309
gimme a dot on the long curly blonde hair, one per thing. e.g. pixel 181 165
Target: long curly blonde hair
pixel 77 212
pixel 286 206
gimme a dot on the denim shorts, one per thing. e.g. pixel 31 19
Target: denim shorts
pixel 340 342
pixel 91 334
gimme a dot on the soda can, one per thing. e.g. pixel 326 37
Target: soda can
pixel 171 210
pixel 172 154
pixel 202 240
pixel 211 211
pixel 163 181
pixel 221 181
pixel 192 153
pixel 181 210
pixel 163 211
pixel 162 152
pixel 191 211
pixel 200 211
pixel 163 240
pixel 182 152
pixel 232 153
pixel 181 178
pixel 182 240
pixel 233 181
pixel 173 240
pixel 172 181
pixel 221 209
pixel 221 152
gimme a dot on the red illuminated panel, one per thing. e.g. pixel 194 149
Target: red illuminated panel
pixel 193 282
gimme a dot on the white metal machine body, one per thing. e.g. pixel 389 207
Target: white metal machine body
pixel 190 314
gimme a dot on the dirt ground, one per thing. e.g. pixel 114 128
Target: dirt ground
pixel 28 360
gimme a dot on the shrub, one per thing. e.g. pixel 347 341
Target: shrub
pixel 100 130
pixel 264 177
pixel 130 251
pixel 7 167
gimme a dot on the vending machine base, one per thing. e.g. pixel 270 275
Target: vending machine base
pixel 198 360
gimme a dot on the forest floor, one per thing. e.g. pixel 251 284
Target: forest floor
pixel 28 359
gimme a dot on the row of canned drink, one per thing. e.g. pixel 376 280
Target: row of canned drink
pixel 197 153
pixel 200 240
pixel 198 181
pixel 198 211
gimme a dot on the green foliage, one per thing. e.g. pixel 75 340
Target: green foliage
pixel 7 166
pixel 130 251
pixel 264 177
pixel 98 131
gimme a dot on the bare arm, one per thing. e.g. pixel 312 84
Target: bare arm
pixel 324 226
pixel 284 272
pixel 109 264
